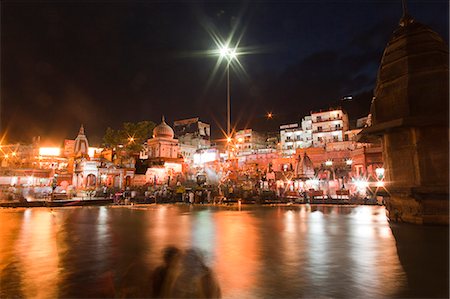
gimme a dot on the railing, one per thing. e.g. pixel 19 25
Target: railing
pixel 328 130
pixel 327 119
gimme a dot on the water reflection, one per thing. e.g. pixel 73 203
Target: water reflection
pixel 271 252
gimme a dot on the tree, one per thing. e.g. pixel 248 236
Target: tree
pixel 131 136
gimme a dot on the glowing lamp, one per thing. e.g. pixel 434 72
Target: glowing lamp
pixel 379 184
pixel 349 162
pixel 380 172
pixel 361 184
pixel 329 163
pixel 223 51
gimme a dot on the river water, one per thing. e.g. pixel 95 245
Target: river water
pixel 255 252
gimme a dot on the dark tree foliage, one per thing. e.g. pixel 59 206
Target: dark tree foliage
pixel 131 136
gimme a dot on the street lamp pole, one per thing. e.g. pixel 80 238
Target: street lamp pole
pixel 228 54
pixel 228 100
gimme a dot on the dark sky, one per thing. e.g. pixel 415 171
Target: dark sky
pixel 102 63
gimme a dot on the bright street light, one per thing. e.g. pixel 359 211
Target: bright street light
pixel 229 54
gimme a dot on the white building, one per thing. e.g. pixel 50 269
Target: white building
pixel 293 136
pixel 328 126
pixel 163 154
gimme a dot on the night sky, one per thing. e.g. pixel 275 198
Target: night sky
pixel 103 63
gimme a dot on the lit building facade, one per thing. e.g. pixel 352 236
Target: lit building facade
pixel 193 132
pixel 163 154
pixel 328 126
pixel 91 169
pixel 192 135
pixel 294 136
pixel 248 141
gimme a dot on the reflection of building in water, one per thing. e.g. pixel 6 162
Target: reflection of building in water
pixel 162 154
pixel 237 249
pixel 38 255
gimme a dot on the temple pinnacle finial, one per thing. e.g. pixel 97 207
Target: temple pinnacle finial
pixel 163 119
pixel 405 8
pixel 81 132
pixel 406 18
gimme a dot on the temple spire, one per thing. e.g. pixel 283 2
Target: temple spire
pixel 406 17
pixel 81 132
pixel 405 8
pixel 163 119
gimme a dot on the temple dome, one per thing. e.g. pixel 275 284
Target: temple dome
pixel 163 130
pixel 412 84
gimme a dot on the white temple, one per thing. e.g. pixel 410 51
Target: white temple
pixel 163 152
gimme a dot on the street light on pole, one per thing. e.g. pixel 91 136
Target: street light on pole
pixel 229 54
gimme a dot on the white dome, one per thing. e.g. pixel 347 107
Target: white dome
pixel 163 130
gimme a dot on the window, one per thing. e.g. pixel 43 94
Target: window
pixel 335 138
pixel 288 138
pixel 319 139
pixel 337 126
pixel 319 118
pixel 319 129
pixel 346 137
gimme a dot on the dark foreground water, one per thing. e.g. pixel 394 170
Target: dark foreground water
pixel 256 252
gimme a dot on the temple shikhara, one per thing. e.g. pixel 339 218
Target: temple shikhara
pixel 410 116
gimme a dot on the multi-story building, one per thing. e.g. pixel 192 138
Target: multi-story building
pixel 328 126
pixel 294 136
pixel 272 139
pixel 193 132
pixel 248 141
pixel 192 135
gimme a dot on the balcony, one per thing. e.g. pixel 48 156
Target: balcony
pixel 315 121
pixel 328 130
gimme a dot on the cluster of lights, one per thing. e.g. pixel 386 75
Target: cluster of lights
pixel 361 184
pixel 347 162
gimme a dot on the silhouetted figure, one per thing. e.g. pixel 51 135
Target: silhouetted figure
pixel 160 275
pixel 184 276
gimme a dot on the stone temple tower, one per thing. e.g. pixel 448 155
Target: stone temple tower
pixel 410 115
pixel 81 145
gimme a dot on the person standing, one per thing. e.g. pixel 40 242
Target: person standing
pixel 105 191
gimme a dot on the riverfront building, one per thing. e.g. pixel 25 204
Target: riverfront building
pixel 163 155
